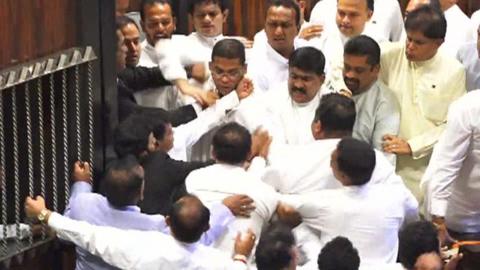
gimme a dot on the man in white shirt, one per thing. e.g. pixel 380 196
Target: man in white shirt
pixel 270 65
pixel 231 146
pixel 476 19
pixel 377 107
pixel 228 71
pixel 292 104
pixel 469 56
pixel 425 82
pixel 354 211
pixel 149 250
pixel 453 176
pixel 387 19
pixel 459 26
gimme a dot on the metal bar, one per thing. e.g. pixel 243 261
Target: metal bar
pixel 90 116
pixel 29 147
pixel 65 135
pixel 53 141
pixel 3 180
pixel 16 177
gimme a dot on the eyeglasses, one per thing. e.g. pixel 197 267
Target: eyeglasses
pixel 232 74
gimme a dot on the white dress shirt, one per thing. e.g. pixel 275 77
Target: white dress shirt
pixel 216 182
pixel 476 19
pixel 140 250
pixel 468 56
pixel 387 17
pixel 267 67
pixel 454 180
pixel 378 114
pixel 459 30
pixel 370 216
pixel 186 135
pixel 299 169
pixel 291 121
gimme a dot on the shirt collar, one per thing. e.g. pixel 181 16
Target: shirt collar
pixel 209 41
pixel 275 56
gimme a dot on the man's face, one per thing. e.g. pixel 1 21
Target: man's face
pixel 121 7
pixel 281 28
pixel 158 22
pixel 167 142
pixel 121 51
pixel 208 19
pixel 303 85
pixel 352 15
pixel 132 41
pixel 226 73
pixel 419 47
pixel 358 74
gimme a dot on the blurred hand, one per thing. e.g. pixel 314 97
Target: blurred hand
pixel 244 88
pixel 33 207
pixel 311 31
pixel 396 145
pixel 205 98
pixel 261 141
pixel 198 72
pixel 240 205
pixel 288 215
pixel 81 171
pixel 244 243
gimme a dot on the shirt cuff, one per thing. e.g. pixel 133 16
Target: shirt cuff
pixel 196 107
pixel 438 207
pixel 81 187
pixel 55 221
pixel 418 148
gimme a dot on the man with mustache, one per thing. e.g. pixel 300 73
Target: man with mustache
pixel 377 107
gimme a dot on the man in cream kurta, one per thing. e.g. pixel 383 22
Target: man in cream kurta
pixel 425 82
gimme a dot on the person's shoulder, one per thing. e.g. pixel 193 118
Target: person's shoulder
pixel 391 48
pixel 449 64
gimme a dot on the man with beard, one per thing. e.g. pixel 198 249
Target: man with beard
pixel 377 107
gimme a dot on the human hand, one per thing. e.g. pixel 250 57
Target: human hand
pixel 198 72
pixel 311 31
pixel 81 172
pixel 261 141
pixel 33 207
pixel 396 145
pixel 205 98
pixel 244 88
pixel 239 205
pixel 244 243
pixel 443 235
pixel 452 263
pixel 288 215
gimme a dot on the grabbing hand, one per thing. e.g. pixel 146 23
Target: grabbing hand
pixel 33 207
pixel 261 141
pixel 288 215
pixel 81 171
pixel 240 205
pixel 244 243
pixel 205 98
pixel 244 88
pixel 311 31
pixel 396 145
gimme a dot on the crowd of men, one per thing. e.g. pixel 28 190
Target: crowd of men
pixel 345 142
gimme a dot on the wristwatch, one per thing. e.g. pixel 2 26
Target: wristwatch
pixel 42 217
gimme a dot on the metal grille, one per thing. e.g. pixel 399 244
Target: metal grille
pixel 46 123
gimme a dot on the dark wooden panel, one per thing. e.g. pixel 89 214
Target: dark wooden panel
pixel 34 28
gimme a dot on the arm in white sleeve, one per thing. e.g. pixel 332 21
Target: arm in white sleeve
pixel 169 60
pixel 120 248
pixel 77 188
pixel 450 154
pixel 220 218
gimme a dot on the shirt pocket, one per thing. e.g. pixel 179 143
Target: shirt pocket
pixel 433 102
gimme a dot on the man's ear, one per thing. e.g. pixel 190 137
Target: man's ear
pixel 225 15
pixel 168 221
pixel 207 227
pixel 369 14
pixel 317 129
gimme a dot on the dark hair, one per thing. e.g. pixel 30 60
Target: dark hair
pixel 229 48
pixel 122 21
pixel 356 159
pixel 290 4
pixel 122 183
pixel 308 59
pixel 274 249
pixel 153 2
pixel 435 4
pixel 415 239
pixel 338 254
pixel 131 135
pixel 231 143
pixel 336 113
pixel 370 5
pixel 221 3
pixel 428 20
pixel 364 46
pixel 189 219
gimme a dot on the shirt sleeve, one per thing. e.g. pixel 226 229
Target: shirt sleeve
pixel 451 151
pixel 119 248
pixel 387 122
pixel 77 188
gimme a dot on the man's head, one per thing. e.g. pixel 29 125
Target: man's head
pixel 338 254
pixel 352 15
pixel 353 162
pixel 305 74
pixel 188 219
pixel 157 20
pixel 417 239
pixel 414 4
pixel 426 28
pixel 121 52
pixel 131 35
pixel 282 23
pixel 231 144
pixel 228 65
pixel 141 133
pixel 123 183
pixel 334 117
pixel 121 7
pixel 276 248
pixel 208 16
pixel 361 63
